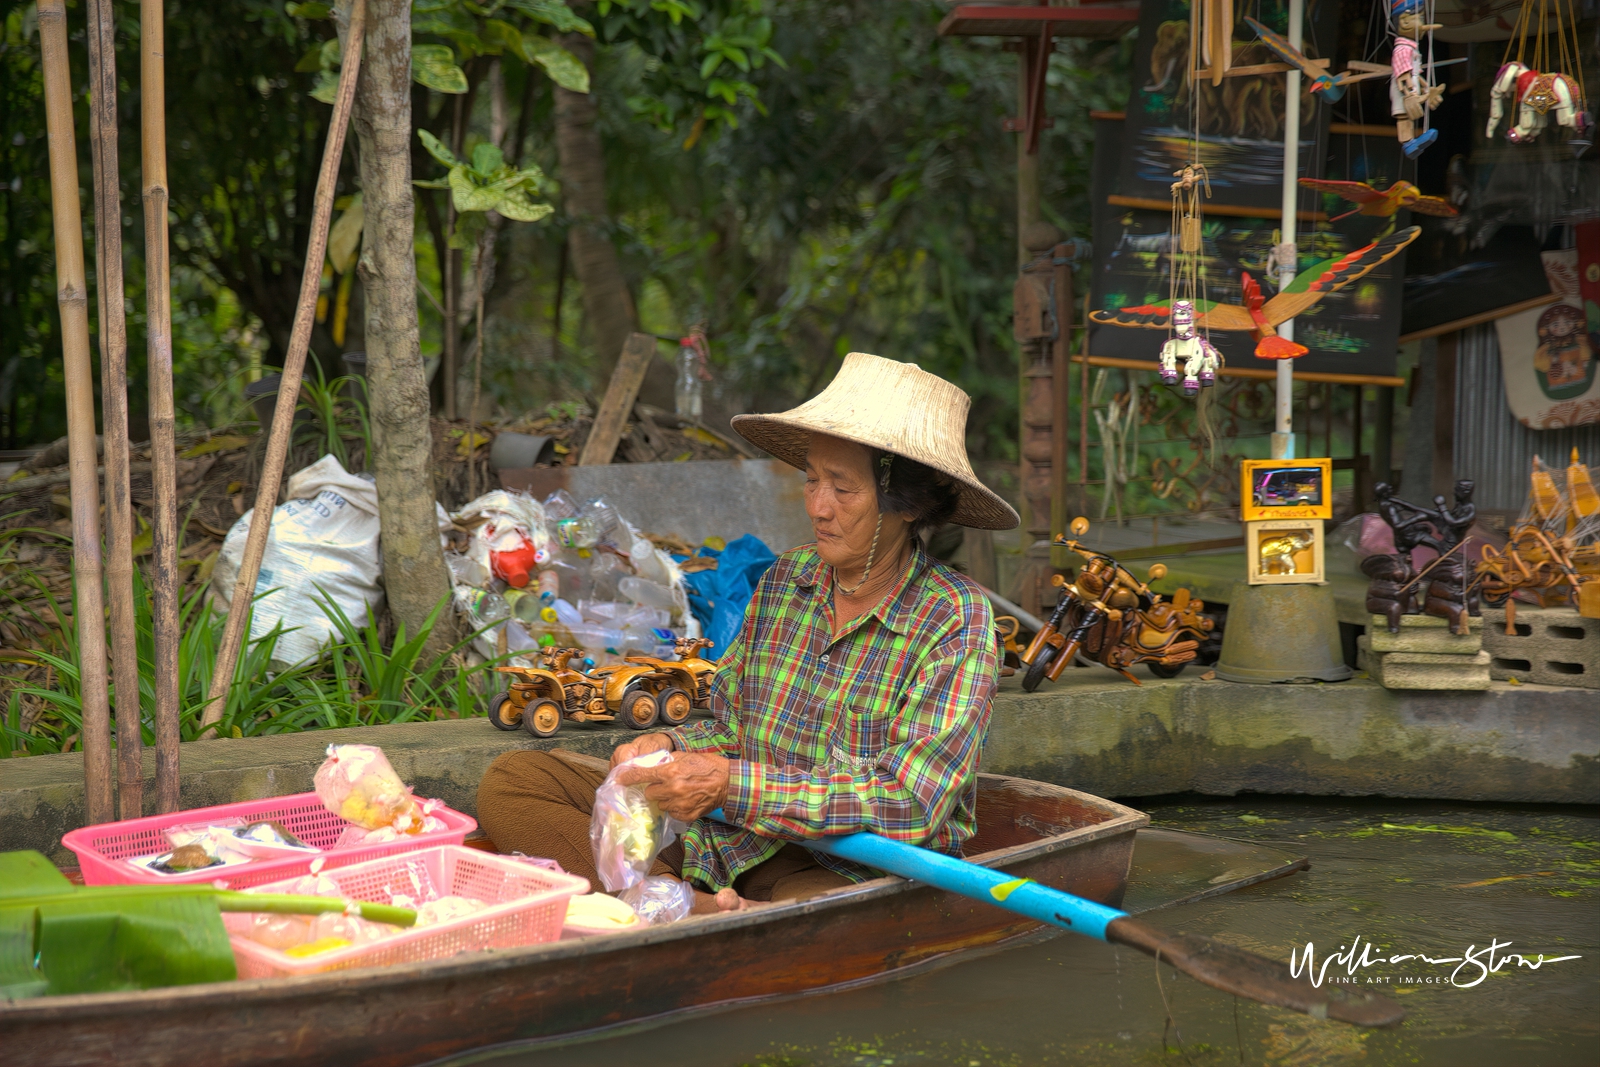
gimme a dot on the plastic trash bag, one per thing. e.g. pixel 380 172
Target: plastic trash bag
pixel 514 538
pixel 719 597
pixel 659 899
pixel 323 543
pixel 627 830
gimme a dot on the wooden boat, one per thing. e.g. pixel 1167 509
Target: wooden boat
pixel 415 1013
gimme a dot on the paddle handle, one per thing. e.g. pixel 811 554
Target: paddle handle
pixel 1021 895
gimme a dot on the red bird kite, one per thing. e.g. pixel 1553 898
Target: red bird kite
pixel 1261 316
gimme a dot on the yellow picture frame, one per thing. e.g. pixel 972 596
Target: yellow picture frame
pixel 1285 552
pixel 1285 489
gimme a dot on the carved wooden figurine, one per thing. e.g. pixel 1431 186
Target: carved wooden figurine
pixel 1448 597
pixel 1391 592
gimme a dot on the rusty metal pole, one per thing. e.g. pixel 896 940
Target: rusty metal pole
pixel 114 403
pixel 293 367
pixel 72 298
pixel 165 583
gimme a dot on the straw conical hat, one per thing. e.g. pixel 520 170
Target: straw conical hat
pixel 898 407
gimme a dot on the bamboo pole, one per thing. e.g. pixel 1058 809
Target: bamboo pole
pixel 114 402
pixel 293 368
pixel 73 300
pixel 164 580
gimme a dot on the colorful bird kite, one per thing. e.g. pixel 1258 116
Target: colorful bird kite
pixel 1370 201
pixel 1261 316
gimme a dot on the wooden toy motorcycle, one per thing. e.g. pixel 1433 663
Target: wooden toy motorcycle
pixel 1112 617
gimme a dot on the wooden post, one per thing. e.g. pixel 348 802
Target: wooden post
pixel 72 297
pixel 637 353
pixel 294 363
pixel 114 402
pixel 165 582
pixel 1061 381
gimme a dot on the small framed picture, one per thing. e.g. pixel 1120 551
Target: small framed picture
pixel 1284 552
pixel 1286 489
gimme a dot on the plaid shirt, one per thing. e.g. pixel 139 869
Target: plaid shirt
pixel 876 728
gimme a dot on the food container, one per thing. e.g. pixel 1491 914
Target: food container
pixel 527 906
pixel 102 849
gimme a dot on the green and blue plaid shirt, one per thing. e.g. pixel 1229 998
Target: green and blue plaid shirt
pixel 876 728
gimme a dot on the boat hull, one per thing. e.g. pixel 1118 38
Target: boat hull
pixel 412 1014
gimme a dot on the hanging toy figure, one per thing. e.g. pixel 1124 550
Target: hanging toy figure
pixel 1551 82
pixel 1199 357
pixel 1185 343
pixel 1411 94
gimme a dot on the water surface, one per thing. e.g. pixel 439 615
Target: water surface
pixel 1431 878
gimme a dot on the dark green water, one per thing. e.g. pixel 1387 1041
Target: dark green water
pixel 1073 1001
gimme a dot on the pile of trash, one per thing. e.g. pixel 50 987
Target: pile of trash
pixel 556 574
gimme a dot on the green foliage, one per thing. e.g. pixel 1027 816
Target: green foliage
pixel 486 183
pixel 703 52
pixel 356 683
pixel 338 418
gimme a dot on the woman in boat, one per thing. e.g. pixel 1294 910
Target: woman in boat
pixel 857 694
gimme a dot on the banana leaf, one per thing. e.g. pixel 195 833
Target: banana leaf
pixel 57 938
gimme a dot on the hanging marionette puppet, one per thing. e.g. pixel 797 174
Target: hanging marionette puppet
pixel 1412 93
pixel 1199 357
pixel 1535 91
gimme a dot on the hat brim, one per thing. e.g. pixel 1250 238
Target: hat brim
pixel 789 439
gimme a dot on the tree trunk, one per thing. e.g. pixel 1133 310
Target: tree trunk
pixel 606 300
pixel 402 440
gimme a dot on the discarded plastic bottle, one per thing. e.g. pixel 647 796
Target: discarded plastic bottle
pixel 644 591
pixel 688 395
pixel 485 608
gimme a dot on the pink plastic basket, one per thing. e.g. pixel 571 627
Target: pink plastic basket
pixel 102 849
pixel 528 905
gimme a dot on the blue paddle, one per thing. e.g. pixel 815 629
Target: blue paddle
pixel 1214 963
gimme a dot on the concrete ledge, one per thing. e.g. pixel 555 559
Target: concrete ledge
pixel 1092 731
pixel 1526 743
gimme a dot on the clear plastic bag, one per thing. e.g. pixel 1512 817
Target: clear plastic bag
pixel 659 899
pixel 357 784
pixel 627 830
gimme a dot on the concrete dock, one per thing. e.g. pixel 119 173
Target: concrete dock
pixel 1093 731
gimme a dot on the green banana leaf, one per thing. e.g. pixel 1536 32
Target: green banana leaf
pixel 57 938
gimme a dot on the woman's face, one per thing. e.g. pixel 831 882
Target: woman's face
pixel 842 502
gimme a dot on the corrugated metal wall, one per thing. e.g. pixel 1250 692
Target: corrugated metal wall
pixel 1490 445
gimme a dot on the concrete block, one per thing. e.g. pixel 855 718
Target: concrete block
pixel 1426 670
pixel 1424 633
pixel 1550 646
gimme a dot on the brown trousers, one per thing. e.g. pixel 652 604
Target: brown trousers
pixel 539 803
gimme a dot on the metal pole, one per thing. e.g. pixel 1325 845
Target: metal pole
pixel 165 582
pixel 294 363
pixel 1283 425
pixel 102 39
pixel 72 297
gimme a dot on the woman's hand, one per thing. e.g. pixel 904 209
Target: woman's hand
pixel 643 747
pixel 691 785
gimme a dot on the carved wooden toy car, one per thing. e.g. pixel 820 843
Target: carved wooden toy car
pixel 541 697
pixel 678 685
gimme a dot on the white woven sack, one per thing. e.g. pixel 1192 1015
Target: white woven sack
pixel 323 543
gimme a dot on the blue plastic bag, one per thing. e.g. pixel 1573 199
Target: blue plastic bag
pixel 718 598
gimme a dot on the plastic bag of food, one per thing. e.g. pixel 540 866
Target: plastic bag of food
pixel 357 784
pixel 627 830
pixel 659 899
pixel 596 913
